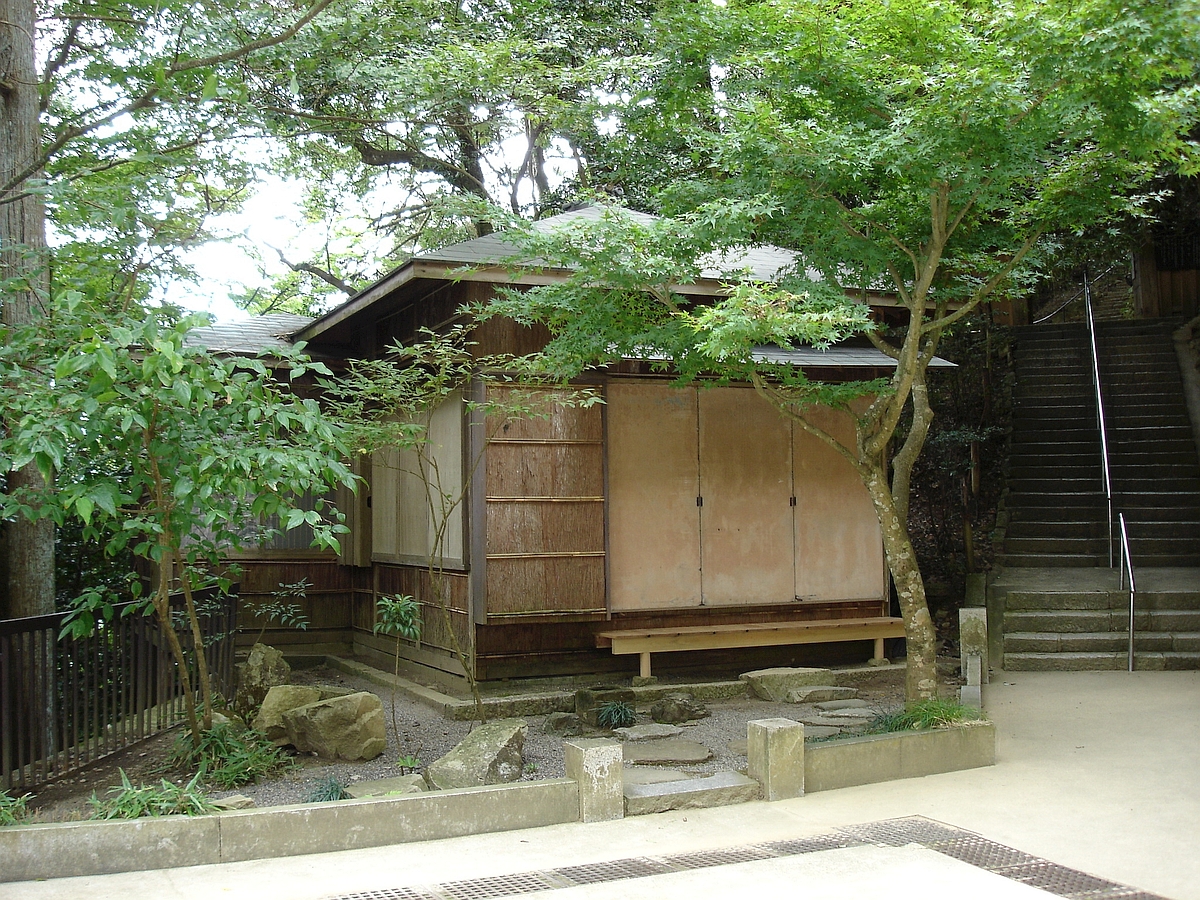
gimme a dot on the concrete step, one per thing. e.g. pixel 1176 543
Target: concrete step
pixel 1084 621
pixel 1168 601
pixel 721 789
pixel 1099 642
pixel 1051 560
pixel 1085 662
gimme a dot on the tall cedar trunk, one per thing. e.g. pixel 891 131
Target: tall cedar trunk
pixel 23 265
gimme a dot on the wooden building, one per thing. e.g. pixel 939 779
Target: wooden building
pixel 660 508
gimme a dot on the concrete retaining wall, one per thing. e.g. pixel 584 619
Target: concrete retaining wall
pixel 886 757
pixel 101 848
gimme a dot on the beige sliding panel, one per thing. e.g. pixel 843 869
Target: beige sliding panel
pixel 442 461
pixel 747 553
pixel 653 475
pixel 839 550
pixel 385 504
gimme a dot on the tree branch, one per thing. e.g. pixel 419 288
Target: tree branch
pixel 324 275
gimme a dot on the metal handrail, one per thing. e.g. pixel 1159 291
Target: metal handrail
pixel 1091 323
pixel 1079 293
pixel 1127 565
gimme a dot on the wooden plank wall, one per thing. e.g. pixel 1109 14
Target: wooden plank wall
pixel 436 646
pixel 328 603
pixel 545 513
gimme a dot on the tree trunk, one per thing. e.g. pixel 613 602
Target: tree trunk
pixel 921 676
pixel 25 272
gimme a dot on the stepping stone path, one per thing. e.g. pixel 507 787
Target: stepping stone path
pixel 856 714
pixel 671 751
pixel 647 732
pixel 842 704
pixel 819 693
pixel 721 789
pixel 652 775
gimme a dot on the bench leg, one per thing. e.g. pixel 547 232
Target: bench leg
pixel 878 648
pixel 645 665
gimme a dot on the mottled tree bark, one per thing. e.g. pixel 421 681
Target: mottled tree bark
pixel 24 273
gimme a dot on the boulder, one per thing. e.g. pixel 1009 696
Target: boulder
pixel 349 727
pixel 821 693
pixel 229 719
pixel 563 724
pixel 234 801
pixel 491 754
pixel 676 708
pixel 776 684
pixel 263 669
pixel 281 699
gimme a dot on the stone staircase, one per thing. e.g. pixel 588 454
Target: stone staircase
pixel 1058 599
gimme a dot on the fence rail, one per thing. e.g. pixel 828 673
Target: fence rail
pixel 67 702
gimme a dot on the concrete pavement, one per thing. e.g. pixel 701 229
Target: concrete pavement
pixel 1096 771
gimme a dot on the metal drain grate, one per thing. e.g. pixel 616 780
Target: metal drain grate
pixel 983 853
pixel 707 858
pixel 909 830
pixel 953 842
pixel 617 870
pixel 1055 878
pixel 812 844
pixel 498 886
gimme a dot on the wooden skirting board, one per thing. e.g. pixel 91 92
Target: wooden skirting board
pixel 759 634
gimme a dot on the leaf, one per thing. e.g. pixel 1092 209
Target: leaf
pixel 84 506
pixel 209 92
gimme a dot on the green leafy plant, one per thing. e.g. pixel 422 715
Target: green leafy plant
pixel 287 615
pixel 165 799
pixel 615 714
pixel 932 713
pixel 326 790
pixel 13 810
pixel 229 756
pixel 398 615
pixel 408 764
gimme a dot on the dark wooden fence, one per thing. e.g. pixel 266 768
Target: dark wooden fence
pixel 65 702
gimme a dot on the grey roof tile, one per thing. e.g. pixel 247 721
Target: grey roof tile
pixel 249 338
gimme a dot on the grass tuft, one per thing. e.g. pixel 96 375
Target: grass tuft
pixel 166 799
pixel 615 714
pixel 230 756
pixel 327 789
pixel 13 810
pixel 932 713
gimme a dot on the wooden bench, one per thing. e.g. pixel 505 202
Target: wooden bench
pixel 757 634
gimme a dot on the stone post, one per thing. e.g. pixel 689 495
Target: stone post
pixel 597 766
pixel 775 751
pixel 973 639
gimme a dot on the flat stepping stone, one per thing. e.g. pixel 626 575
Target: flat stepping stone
pixel 776 684
pixel 650 732
pixel 671 751
pixel 739 747
pixel 722 789
pixel 842 704
pixel 821 731
pixel 652 775
pixel 864 715
pixel 821 693
pixel 386 787
pixel 824 721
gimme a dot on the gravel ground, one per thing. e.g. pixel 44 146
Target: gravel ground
pixel 426 735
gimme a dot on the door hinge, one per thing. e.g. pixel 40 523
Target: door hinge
pixel 792 502
pixel 699 501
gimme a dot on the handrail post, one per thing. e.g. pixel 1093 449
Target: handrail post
pixel 1127 560
pixel 1091 323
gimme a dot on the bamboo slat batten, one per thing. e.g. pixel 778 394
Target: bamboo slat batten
pixel 66 702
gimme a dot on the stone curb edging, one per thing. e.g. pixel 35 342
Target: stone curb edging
pixel 65 849
pixel 595 793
